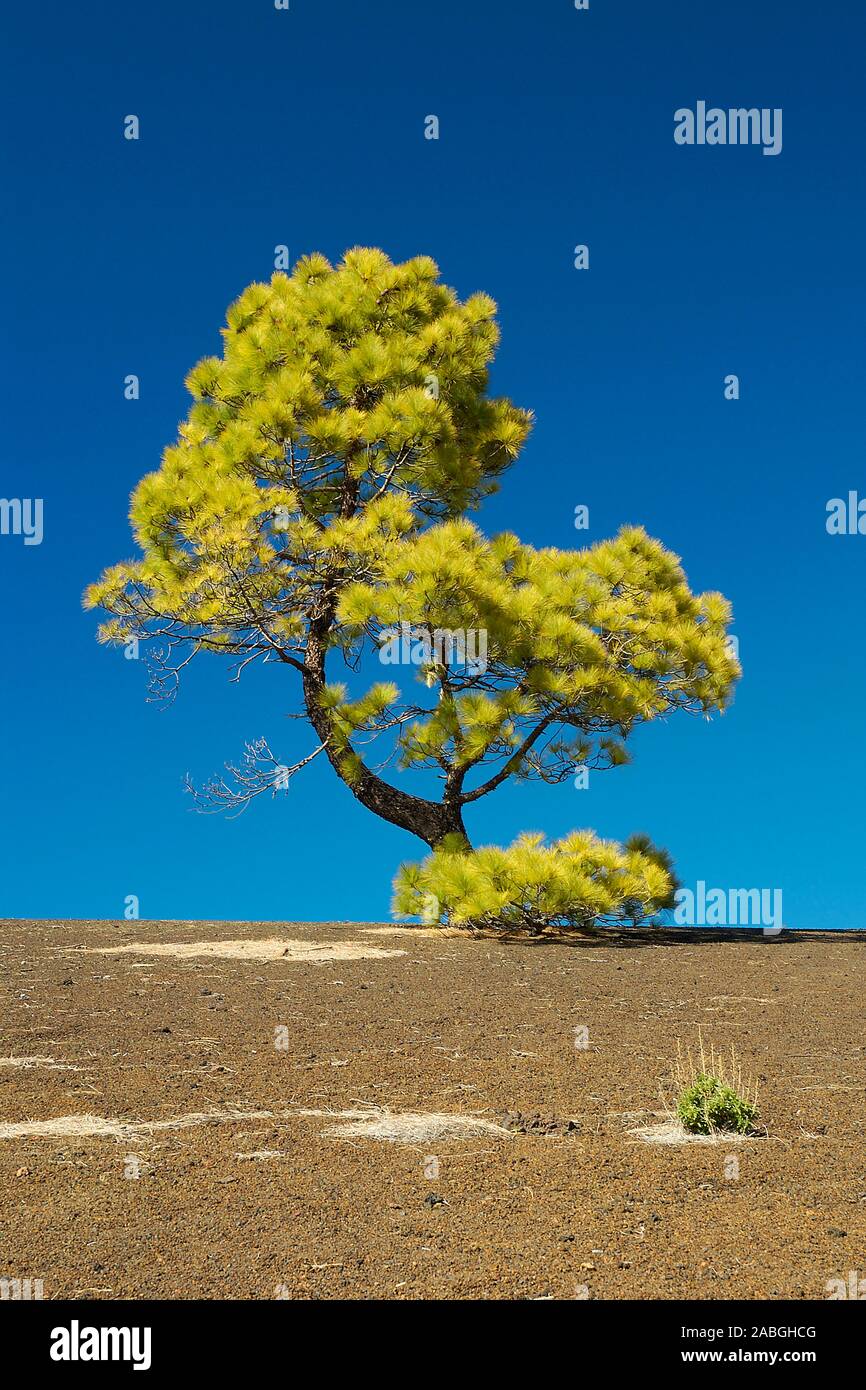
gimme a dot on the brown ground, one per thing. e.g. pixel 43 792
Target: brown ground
pixel 455 1026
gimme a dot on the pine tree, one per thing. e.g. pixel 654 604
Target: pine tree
pixel 313 511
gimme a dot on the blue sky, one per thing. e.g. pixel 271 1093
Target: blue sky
pixel 306 128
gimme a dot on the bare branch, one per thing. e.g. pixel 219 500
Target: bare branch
pixel 258 772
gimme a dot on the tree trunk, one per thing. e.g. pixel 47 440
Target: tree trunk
pixel 431 821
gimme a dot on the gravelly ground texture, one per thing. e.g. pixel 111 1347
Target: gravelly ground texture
pixel 210 1183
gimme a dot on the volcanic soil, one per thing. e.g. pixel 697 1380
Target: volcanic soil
pixel 215 1110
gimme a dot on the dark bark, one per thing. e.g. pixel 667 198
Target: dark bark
pixel 431 821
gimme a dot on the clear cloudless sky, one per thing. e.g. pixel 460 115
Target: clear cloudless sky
pixel 305 127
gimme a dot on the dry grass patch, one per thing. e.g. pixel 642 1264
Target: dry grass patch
pixel 375 1122
pixel 669 1130
pixel 262 1154
pixel 97 1127
pixel 26 1063
pixel 66 1127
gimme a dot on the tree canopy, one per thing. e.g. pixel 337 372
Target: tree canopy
pixel 315 504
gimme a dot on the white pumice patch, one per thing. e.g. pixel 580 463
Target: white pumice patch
pixel 443 930
pixel 274 948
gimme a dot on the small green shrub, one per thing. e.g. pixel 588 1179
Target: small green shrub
pixel 711 1096
pixel 709 1105
pixel 578 882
